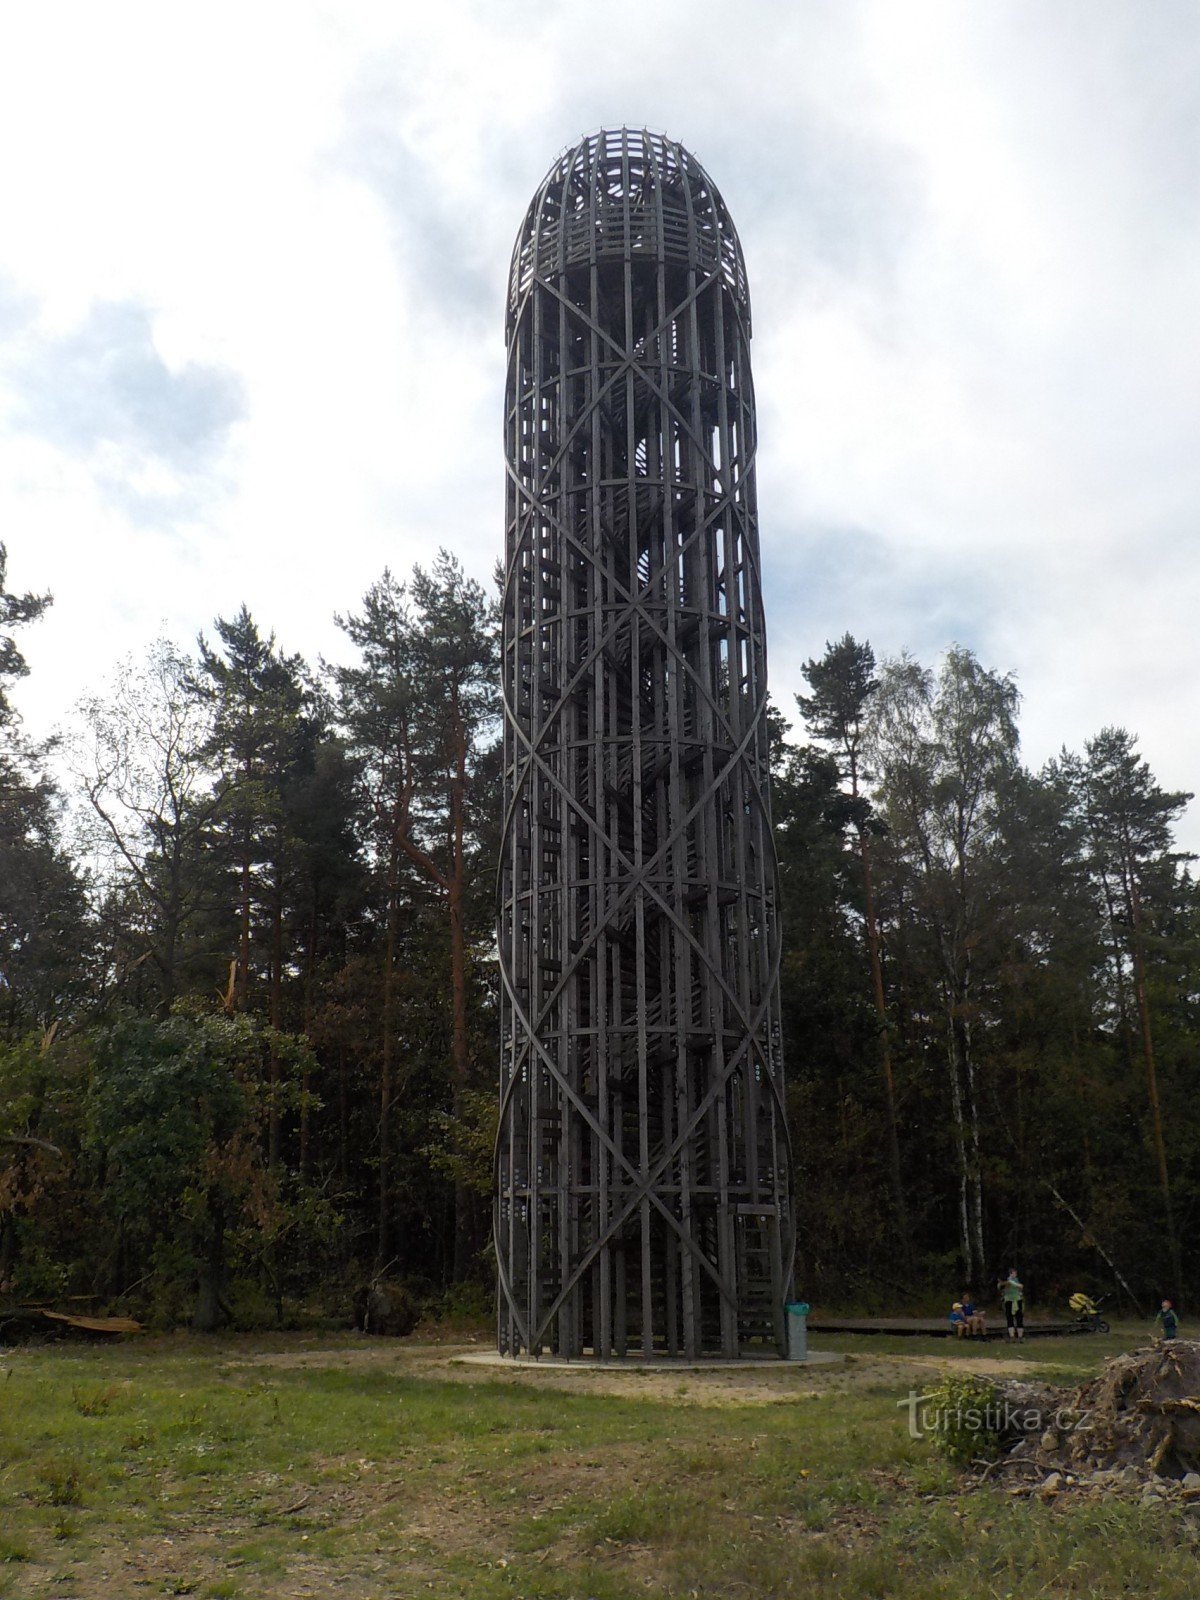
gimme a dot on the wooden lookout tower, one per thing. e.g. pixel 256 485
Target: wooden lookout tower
pixel 643 1171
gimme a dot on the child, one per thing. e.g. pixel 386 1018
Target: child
pixel 1170 1322
pixel 957 1321
pixel 976 1323
pixel 1012 1292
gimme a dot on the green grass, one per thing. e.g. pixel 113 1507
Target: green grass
pixel 189 1467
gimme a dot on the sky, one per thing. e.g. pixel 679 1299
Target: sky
pixel 252 270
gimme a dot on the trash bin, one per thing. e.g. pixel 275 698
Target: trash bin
pixel 797 1330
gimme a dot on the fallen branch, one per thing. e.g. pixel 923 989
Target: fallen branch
pixel 1087 1232
pixel 1007 1461
pixel 28 1139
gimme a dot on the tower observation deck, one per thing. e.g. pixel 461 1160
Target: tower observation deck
pixel 643 1171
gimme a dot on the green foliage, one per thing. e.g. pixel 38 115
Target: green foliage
pixel 463 1302
pixel 964 1412
pixel 465 1140
pixel 16 610
pixel 41 1206
pixel 250 1058
pixel 175 1113
pixel 46 947
pixel 170 1107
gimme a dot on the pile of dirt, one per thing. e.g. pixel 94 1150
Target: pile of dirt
pixel 1136 1425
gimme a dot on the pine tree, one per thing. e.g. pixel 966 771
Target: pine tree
pixel 45 940
pixel 418 713
pixel 842 684
pixel 263 735
pixel 1128 824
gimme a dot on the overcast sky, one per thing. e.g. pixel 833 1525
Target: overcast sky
pixel 252 267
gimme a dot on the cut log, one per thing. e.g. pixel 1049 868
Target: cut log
pixel 113 1325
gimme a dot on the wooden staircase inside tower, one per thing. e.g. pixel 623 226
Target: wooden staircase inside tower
pixel 757 1311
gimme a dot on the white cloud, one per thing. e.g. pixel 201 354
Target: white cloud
pixel 971 233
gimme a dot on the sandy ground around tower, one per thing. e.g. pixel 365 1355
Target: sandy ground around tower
pixel 472 1361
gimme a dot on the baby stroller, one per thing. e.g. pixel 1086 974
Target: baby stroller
pixel 1087 1312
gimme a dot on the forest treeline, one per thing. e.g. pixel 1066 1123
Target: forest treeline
pixel 248 978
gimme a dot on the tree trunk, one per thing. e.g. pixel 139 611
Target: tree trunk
pixel 209 1302
pixel 463 1201
pixel 310 979
pixel 960 1137
pixel 170 936
pixel 242 979
pixel 343 1112
pixel 903 1231
pixel 175 911
pixel 975 1161
pixel 962 1111
pixel 274 1122
pixel 383 1251
pixel 1118 970
pixel 975 1157
pixel 8 1254
pixel 171 921
pixel 1142 1000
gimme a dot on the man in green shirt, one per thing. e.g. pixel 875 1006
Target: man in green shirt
pixel 1012 1292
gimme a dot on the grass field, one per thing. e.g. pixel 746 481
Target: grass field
pixel 306 1467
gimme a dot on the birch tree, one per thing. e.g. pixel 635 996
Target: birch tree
pixel 140 761
pixel 943 747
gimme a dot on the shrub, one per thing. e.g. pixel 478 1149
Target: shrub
pixel 387 1308
pixel 464 1302
pixel 965 1416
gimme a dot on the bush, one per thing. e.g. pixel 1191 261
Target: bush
pixel 965 1415
pixel 463 1302
pixel 386 1308
pixel 38 1275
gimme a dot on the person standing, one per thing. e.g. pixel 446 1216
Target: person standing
pixel 1012 1292
pixel 1167 1320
